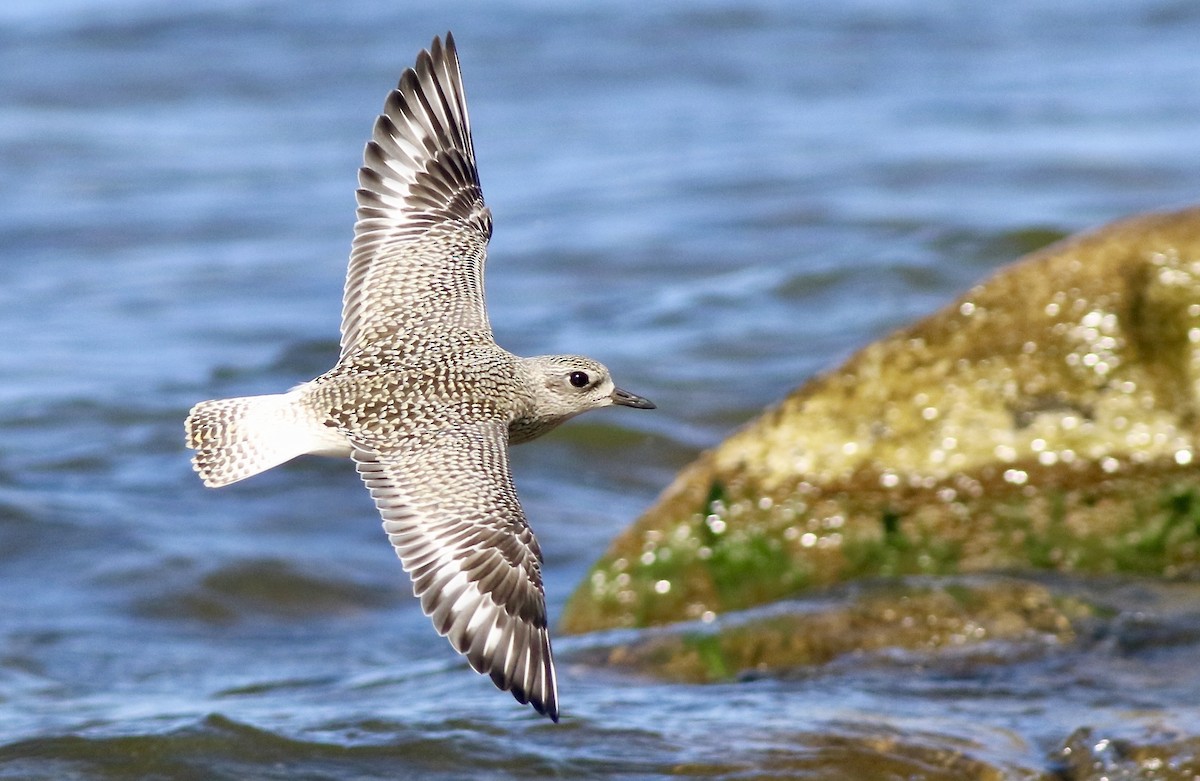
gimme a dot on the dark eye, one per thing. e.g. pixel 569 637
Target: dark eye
pixel 579 379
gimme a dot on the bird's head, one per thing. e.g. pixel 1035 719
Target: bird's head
pixel 566 385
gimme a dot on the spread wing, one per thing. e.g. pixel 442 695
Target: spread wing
pixel 420 241
pixel 450 509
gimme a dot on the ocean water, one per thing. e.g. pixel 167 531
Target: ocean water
pixel 717 199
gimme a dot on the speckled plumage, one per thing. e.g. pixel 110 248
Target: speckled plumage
pixel 422 398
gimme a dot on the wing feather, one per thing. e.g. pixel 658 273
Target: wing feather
pixel 451 512
pixel 420 241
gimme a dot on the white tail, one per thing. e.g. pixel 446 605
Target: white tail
pixel 238 438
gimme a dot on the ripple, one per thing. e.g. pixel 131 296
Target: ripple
pixel 250 590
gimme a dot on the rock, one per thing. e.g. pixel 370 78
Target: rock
pixel 1046 419
pixel 1136 753
pixel 961 624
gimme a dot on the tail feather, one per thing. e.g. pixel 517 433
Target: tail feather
pixel 238 438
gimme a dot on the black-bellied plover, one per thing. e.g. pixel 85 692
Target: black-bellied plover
pixel 421 397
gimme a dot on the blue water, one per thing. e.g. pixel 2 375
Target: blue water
pixel 717 199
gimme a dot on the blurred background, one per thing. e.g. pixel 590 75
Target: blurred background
pixel 718 199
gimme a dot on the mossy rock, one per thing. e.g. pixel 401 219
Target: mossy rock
pixel 977 623
pixel 1046 419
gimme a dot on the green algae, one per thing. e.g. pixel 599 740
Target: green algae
pixel 1045 420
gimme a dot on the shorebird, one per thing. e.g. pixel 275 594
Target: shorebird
pixel 422 397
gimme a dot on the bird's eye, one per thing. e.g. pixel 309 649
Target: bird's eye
pixel 579 379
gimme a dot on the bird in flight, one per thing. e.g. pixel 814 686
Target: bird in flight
pixel 422 397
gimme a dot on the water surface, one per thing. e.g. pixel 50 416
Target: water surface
pixel 717 199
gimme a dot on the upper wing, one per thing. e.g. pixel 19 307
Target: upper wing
pixel 451 511
pixel 420 242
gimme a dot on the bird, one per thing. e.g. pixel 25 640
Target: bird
pixel 422 398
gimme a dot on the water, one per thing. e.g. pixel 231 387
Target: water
pixel 717 199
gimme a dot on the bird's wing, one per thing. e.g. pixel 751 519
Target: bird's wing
pixel 420 241
pixel 450 509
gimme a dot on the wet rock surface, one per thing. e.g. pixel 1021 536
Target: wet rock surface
pixel 1140 753
pixel 957 621
pixel 1044 420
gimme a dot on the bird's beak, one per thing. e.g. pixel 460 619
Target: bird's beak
pixel 627 399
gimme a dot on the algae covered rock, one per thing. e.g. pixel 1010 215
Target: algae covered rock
pixel 977 622
pixel 1046 419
